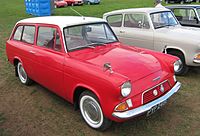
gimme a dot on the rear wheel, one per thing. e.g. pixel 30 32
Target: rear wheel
pixel 23 77
pixel 92 113
pixel 183 68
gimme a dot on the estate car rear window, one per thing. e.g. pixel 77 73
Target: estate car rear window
pixel 18 33
pixel 25 34
pixel 28 34
pixel 49 38
pixel 88 36
pixel 115 20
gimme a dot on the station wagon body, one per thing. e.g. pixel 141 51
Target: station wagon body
pixel 157 29
pixel 81 60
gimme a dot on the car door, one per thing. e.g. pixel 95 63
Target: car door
pixel 136 31
pixel 23 46
pixel 50 56
pixel 186 16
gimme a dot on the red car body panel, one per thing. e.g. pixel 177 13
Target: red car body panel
pixel 60 3
pixel 64 72
pixel 74 2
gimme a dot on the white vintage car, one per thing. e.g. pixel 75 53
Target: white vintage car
pixel 157 29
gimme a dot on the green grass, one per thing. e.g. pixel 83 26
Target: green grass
pixel 51 115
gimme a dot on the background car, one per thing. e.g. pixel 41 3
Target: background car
pixel 81 60
pixel 91 1
pixel 59 3
pixel 187 15
pixel 157 29
pixel 178 1
pixel 74 2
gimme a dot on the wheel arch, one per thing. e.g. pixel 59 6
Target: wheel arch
pixel 77 92
pixel 171 48
pixel 16 60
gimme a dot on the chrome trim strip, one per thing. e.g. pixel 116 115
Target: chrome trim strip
pixel 148 106
pixel 150 89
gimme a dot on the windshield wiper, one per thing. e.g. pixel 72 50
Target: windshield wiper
pixel 92 45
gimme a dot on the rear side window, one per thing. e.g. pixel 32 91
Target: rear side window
pixel 115 20
pixel 49 38
pixel 185 14
pixel 136 21
pixel 28 34
pixel 18 33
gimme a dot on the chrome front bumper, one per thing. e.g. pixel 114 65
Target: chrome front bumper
pixel 148 106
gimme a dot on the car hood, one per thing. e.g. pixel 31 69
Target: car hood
pixel 179 33
pixel 131 62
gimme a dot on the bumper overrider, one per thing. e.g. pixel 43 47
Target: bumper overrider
pixel 145 108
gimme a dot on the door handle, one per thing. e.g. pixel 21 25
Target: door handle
pixel 122 31
pixel 32 52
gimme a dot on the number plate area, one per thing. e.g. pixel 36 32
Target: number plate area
pixel 155 108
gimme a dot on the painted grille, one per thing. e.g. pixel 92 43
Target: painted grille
pixel 149 95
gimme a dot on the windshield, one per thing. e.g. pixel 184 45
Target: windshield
pixel 198 11
pixel 163 19
pixel 88 36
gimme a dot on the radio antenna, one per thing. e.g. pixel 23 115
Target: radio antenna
pixel 77 12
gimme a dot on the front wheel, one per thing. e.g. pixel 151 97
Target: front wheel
pixel 183 68
pixel 92 113
pixel 23 77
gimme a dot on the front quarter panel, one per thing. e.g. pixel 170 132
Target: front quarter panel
pixel 103 84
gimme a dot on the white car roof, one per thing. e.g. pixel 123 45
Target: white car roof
pixel 62 21
pixel 143 10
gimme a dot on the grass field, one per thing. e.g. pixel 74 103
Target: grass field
pixel 34 111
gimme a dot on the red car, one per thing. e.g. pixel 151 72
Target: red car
pixel 81 60
pixel 60 3
pixel 74 2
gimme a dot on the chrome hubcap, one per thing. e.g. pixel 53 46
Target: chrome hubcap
pixel 22 74
pixel 91 111
pixel 180 66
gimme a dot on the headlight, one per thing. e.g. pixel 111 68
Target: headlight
pixel 177 65
pixel 126 89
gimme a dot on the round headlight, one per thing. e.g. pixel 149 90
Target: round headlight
pixel 126 89
pixel 177 65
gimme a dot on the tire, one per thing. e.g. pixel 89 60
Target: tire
pixel 92 113
pixel 184 68
pixel 23 77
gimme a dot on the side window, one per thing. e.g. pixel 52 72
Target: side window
pixel 115 20
pixel 18 33
pixel 136 21
pixel 49 38
pixel 184 14
pixel 28 34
